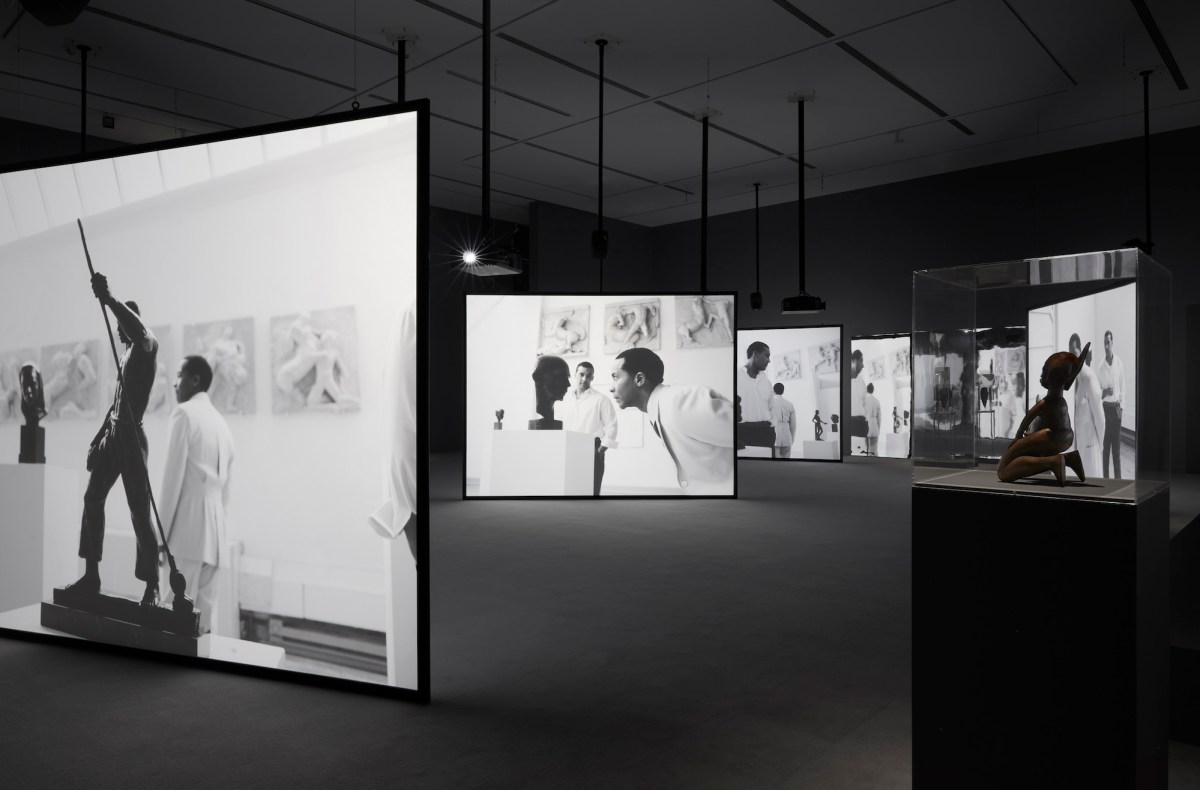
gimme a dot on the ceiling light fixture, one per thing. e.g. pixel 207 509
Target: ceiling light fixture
pixel 803 302
pixel 472 262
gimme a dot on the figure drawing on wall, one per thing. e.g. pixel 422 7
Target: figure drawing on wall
pixel 314 361
pixel 565 331
pixel 702 321
pixel 228 347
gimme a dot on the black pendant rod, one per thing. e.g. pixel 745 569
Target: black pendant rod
pixel 486 225
pixel 1146 152
pixel 757 281
pixel 84 49
pixel 600 242
pixel 800 201
pixel 402 55
pixel 704 207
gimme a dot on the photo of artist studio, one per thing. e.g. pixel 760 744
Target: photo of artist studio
pixel 218 343
pixel 600 395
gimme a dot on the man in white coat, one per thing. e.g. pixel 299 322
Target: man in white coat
pixel 694 423
pixel 195 490
pixel 1089 413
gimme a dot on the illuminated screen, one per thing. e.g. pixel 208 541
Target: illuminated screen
pixel 600 395
pixel 273 374
pixel 789 382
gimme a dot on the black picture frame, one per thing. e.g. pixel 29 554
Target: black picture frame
pixel 740 360
pixel 617 295
pixel 422 693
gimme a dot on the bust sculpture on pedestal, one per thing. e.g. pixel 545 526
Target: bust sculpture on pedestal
pixel 33 406
pixel 551 380
pixel 1044 449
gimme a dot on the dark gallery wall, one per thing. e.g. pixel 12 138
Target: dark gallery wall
pixel 863 246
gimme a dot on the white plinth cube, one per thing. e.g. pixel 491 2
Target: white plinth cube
pixel 39 531
pixel 826 451
pixel 895 445
pixel 539 463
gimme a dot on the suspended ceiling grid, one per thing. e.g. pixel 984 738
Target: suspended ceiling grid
pixel 900 88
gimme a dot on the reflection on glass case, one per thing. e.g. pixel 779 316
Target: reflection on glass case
pixel 1043 375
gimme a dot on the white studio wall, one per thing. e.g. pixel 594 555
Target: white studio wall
pixel 506 335
pixel 298 246
pixel 887 369
pixel 805 417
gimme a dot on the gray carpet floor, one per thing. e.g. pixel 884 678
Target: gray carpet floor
pixel 756 643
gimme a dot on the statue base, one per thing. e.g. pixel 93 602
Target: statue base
pixel 122 621
pixel 545 425
pixel 33 445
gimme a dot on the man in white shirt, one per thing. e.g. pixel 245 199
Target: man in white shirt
pixel 754 389
pixel 1089 414
pixel 585 410
pixel 1112 390
pixel 783 415
pixel 195 490
pixel 694 423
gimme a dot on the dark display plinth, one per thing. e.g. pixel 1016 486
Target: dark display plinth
pixel 33 445
pixel 1040 640
pixel 1185 634
pixel 122 621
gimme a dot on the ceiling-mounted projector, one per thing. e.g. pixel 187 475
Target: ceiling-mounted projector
pixel 803 302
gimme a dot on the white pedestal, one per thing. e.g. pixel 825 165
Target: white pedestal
pixel 825 451
pixel 539 463
pixel 39 532
pixel 895 445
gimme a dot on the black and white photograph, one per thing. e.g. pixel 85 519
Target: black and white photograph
pixel 216 529
pixel 228 346
pixel 632 325
pixel 565 331
pixel 704 321
pixel 625 422
pixel 1001 387
pixel 1102 402
pixel 314 361
pixel 71 379
pixel 881 392
pixel 789 388
pixel 11 363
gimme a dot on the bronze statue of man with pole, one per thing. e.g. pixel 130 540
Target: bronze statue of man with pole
pixel 120 450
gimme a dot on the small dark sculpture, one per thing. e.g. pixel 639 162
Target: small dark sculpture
pixel 817 423
pixel 895 420
pixel 33 406
pixel 1043 450
pixel 833 420
pixel 498 424
pixel 551 380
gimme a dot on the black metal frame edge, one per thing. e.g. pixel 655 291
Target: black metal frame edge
pixel 422 692
pixel 604 498
pixel 841 393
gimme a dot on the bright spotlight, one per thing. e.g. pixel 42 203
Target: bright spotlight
pixel 469 258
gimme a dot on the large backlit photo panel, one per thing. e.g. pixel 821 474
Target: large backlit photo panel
pixel 789 385
pixel 1103 400
pixel 881 390
pixel 613 395
pixel 286 262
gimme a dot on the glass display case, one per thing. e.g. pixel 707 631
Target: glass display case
pixel 974 364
